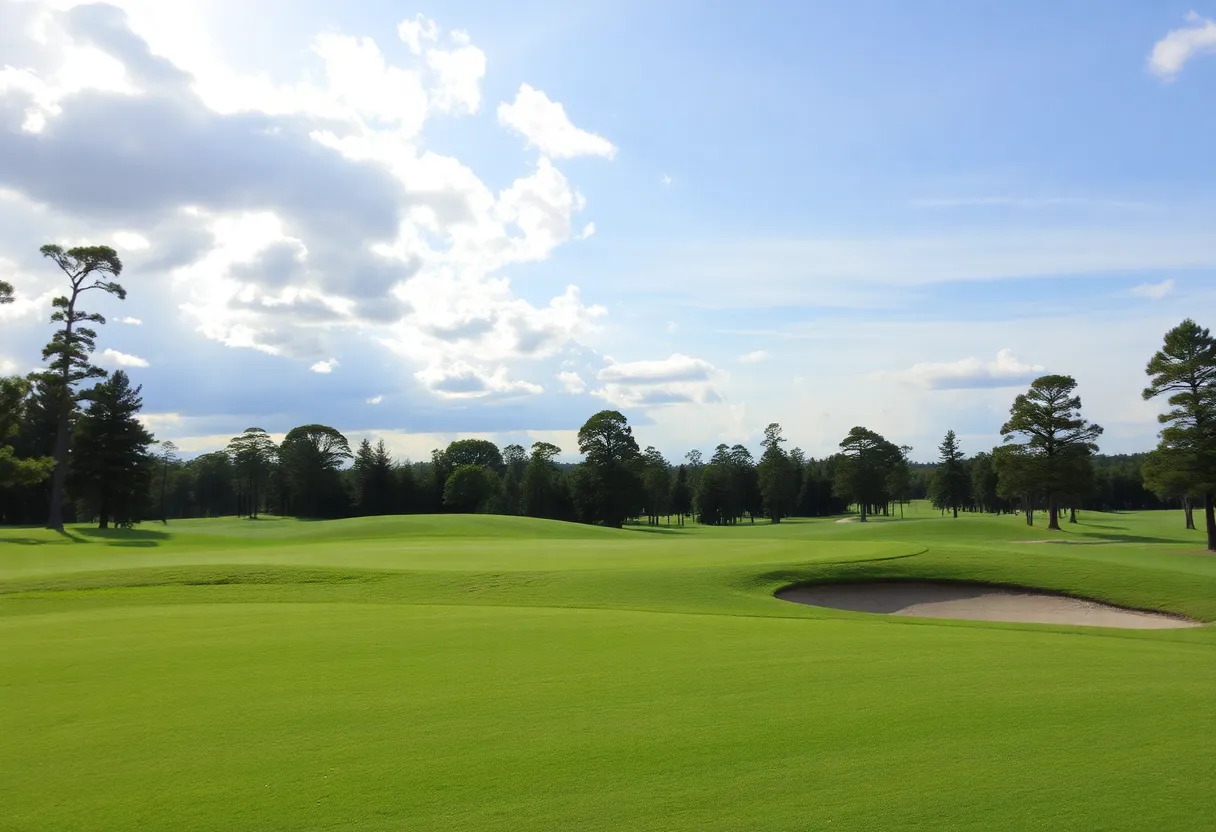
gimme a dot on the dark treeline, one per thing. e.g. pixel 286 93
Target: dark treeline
pixel 72 447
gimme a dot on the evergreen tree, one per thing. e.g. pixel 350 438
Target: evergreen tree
pixel 983 482
pixel 951 484
pixel 863 469
pixel 656 485
pixel 515 462
pixel 6 292
pixel 111 465
pixel 777 477
pixel 1056 439
pixel 681 494
pixel 87 268
pixel 1185 369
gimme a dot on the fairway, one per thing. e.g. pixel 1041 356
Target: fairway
pixel 495 673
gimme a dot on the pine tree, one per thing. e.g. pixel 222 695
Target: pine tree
pixel 111 465
pixel 1185 368
pixel 1057 440
pixel 86 268
pixel 950 483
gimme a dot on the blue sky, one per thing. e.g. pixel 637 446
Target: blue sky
pixel 474 218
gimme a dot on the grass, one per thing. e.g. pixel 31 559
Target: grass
pixel 444 673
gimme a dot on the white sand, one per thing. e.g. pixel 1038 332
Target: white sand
pixel 975 602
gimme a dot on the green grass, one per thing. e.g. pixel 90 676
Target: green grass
pixel 445 673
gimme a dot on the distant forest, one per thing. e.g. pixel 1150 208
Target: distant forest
pixel 72 448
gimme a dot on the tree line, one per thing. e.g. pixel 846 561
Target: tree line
pixel 72 447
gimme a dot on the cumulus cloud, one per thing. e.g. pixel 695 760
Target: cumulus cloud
pixel 308 211
pixel 375 399
pixel 129 321
pixel 753 357
pixel 1152 291
pixel 546 126
pixel 324 367
pixel 114 358
pixel 460 380
pixel 572 382
pixel 676 379
pixel 1178 46
pixel 1006 371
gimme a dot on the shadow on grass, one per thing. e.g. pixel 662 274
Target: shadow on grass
pixel 1129 538
pixel 140 538
pixel 654 529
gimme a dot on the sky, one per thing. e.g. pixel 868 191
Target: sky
pixel 470 218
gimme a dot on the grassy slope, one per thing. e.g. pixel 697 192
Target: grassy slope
pixel 290 675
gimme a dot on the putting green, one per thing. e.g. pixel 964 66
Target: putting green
pixel 492 673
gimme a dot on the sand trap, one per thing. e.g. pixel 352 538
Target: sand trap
pixel 846 520
pixel 975 602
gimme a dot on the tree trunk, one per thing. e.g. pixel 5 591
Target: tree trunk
pixel 1188 510
pixel 955 512
pixel 1053 515
pixel 1029 511
pixel 862 506
pixel 1072 514
pixel 1209 516
pixel 103 514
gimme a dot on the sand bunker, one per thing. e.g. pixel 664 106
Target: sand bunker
pixel 975 602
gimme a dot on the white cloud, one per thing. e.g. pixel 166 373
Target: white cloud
pixel 1178 46
pixel 375 399
pixel 458 73
pixel 665 180
pixel 460 380
pixel 1006 371
pixel 673 380
pixel 1152 291
pixel 753 357
pixel 546 126
pixel 131 240
pixel 572 382
pixel 114 358
pixel 159 421
pixel 129 321
pixel 587 232
pixel 324 367
pixel 414 32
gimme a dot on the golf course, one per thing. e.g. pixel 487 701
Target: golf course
pixel 504 673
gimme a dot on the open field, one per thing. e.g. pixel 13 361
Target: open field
pixel 489 673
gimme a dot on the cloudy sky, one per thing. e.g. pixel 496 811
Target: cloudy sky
pixel 481 218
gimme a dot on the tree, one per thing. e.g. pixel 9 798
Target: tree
pixel 899 479
pixel 681 494
pixel 983 482
pixel 656 485
pixel 1170 477
pixel 1057 441
pixel 474 452
pixel 1185 369
pixel 167 457
pixel 777 476
pixel 87 268
pixel 253 453
pixel 6 292
pixel 15 395
pixel 863 467
pixel 468 488
pixel 951 484
pixel 111 466
pixel 539 493
pixel 311 456
pixel 611 463
pixel 515 461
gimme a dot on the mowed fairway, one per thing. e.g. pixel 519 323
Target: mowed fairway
pixel 488 673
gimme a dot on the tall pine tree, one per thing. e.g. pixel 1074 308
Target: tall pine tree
pixel 111 465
